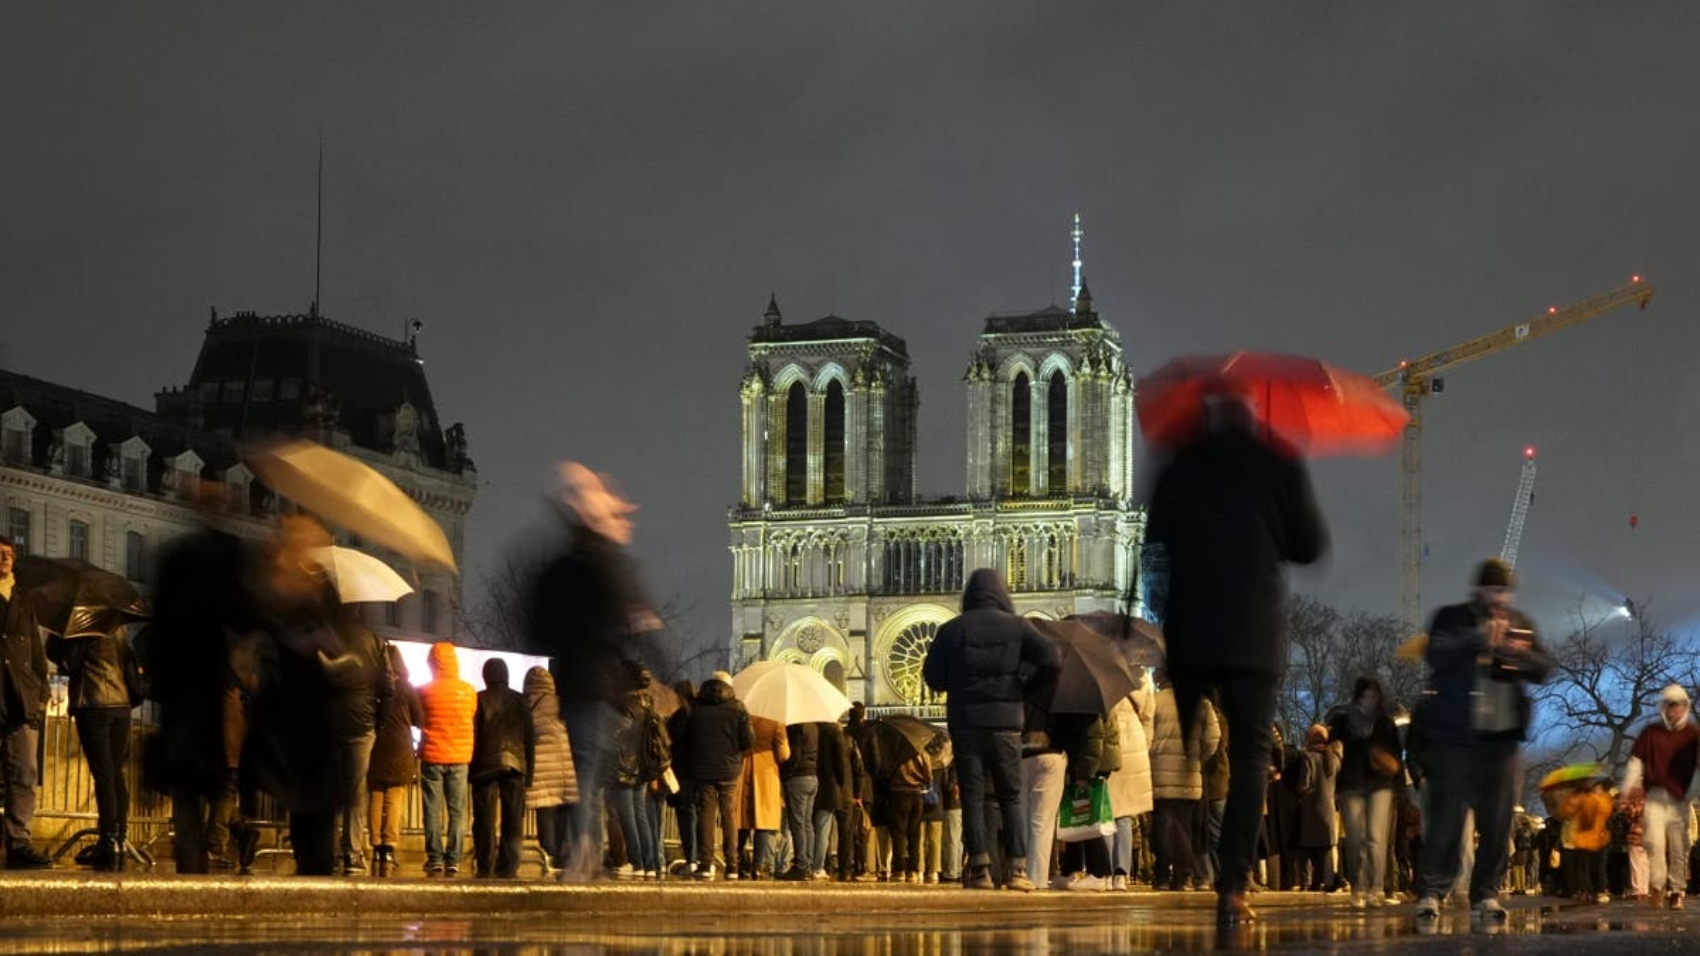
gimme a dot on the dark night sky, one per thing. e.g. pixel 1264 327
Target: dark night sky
pixel 588 204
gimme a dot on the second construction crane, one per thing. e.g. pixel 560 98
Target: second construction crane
pixel 1519 509
pixel 1419 378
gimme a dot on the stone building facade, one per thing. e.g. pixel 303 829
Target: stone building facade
pixel 839 564
pixel 90 477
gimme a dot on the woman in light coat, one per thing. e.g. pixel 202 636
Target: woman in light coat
pixel 1130 786
pixel 1177 784
pixel 762 798
pixel 554 781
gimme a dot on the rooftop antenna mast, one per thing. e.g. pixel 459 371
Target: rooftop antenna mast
pixel 319 225
pixel 1077 234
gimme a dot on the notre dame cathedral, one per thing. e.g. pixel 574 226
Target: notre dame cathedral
pixel 839 564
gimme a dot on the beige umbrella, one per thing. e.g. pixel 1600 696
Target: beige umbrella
pixel 359 576
pixel 353 496
pixel 789 693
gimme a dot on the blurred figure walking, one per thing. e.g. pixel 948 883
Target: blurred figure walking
pixel 1229 509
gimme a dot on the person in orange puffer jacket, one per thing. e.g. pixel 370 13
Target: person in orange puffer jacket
pixel 1587 815
pixel 445 750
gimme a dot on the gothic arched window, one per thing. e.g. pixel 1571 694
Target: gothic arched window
pixel 1056 435
pixel 1017 575
pixel 1053 562
pixel 903 662
pixel 834 454
pixel 1021 437
pixel 796 445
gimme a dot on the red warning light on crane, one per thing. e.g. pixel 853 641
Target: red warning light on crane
pixel 1529 452
pixel 1634 279
pixel 1552 310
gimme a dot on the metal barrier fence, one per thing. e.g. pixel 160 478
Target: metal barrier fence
pixel 65 805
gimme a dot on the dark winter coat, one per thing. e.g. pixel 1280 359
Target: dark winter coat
pixel 1089 741
pixel 1229 510
pixel 1316 807
pixel 292 728
pixel 716 736
pixel 1356 773
pixel 360 677
pixel 985 657
pixel 1455 643
pixel 805 751
pixel 393 761
pixel 581 617
pixel 95 666
pixel 834 788
pixel 502 740
pixel 23 663
pixel 642 747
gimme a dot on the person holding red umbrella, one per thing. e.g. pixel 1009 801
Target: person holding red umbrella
pixel 1229 509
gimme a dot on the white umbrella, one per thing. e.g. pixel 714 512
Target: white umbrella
pixel 789 693
pixel 359 576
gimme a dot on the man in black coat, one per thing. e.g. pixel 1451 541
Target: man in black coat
pixel 503 744
pixel 1229 510
pixel 833 800
pixel 799 777
pixel 985 659
pixel 713 741
pixel 23 704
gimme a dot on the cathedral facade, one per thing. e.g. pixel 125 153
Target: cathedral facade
pixel 839 564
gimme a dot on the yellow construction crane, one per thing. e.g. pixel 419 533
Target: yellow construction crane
pixel 1419 378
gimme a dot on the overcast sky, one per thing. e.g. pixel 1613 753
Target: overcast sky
pixel 587 206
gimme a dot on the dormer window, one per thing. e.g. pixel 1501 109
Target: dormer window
pixel 16 428
pixel 133 456
pixel 185 473
pixel 78 442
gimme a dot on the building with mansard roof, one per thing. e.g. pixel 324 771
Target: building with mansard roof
pixel 86 476
pixel 839 564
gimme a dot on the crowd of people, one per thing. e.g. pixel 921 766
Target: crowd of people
pixel 267 683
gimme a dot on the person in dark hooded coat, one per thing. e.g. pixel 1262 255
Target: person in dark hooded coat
pixel 1229 510
pixel 503 745
pixel 986 659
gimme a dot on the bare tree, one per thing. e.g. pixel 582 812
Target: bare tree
pixel 1610 672
pixel 1327 653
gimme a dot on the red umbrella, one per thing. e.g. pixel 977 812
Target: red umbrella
pixel 1314 407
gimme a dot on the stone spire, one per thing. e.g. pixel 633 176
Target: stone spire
pixel 772 316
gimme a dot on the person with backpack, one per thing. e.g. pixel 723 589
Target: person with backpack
pixel 643 755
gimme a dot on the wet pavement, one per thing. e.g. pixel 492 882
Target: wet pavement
pixel 67 912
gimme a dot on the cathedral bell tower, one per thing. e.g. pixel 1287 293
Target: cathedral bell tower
pixel 829 412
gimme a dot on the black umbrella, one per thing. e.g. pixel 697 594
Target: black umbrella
pixel 904 736
pixel 1140 640
pixel 73 598
pixel 1095 674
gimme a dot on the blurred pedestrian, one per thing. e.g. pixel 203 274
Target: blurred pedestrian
pixel 23 706
pixel 445 751
pixel 554 783
pixel 1229 510
pixel 589 615
pixel 1480 654
pixel 1587 811
pixel 984 659
pixel 502 758
pixel 394 766
pixel 201 598
pixel 1369 769
pixel 293 741
pixel 1661 769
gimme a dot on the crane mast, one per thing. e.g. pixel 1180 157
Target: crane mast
pixel 1519 509
pixel 1419 378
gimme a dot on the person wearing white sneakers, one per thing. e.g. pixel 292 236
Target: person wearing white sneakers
pixel 1480 654
pixel 1662 768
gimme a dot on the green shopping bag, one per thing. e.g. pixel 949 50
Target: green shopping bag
pixel 1085 813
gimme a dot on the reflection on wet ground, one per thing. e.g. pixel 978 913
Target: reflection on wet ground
pixel 1619 928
